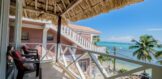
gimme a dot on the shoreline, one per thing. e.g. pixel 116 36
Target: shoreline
pixel 125 65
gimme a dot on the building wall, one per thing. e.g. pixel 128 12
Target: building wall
pixel 86 36
pixel 35 35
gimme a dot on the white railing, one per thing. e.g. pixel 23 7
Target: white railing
pixel 49 50
pixel 69 62
pixel 70 34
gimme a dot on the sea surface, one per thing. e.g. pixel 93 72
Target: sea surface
pixel 122 50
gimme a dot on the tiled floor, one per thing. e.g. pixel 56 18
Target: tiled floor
pixel 49 71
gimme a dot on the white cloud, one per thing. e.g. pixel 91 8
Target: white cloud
pixel 120 38
pixel 154 29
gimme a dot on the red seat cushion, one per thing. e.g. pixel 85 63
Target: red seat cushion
pixel 18 59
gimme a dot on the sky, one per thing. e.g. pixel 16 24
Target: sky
pixel 130 22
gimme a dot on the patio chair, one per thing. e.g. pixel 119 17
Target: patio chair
pixel 32 54
pixel 32 65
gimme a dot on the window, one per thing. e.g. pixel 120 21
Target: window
pixel 83 65
pixel 50 37
pixel 95 39
pixel 25 36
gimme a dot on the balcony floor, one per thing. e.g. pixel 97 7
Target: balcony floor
pixel 49 71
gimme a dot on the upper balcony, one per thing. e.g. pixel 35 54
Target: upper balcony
pixel 79 40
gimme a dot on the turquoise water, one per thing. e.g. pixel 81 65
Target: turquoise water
pixel 123 51
pixel 122 48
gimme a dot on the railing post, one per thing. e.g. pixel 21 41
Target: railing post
pixel 4 25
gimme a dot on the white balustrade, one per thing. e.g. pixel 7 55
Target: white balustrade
pixel 68 32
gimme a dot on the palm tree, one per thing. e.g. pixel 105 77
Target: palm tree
pixel 159 53
pixel 145 48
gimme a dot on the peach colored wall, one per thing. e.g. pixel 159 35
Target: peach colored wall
pixel 35 36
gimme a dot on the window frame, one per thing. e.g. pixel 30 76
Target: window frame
pixel 25 37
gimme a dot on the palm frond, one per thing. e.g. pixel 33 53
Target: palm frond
pixel 158 54
pixel 136 52
pixel 134 47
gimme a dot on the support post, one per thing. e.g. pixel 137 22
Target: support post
pixel 44 39
pixel 58 38
pixel 114 60
pixel 4 25
pixel 18 26
pixel 156 73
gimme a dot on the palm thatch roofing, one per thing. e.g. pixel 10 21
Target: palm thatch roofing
pixel 70 10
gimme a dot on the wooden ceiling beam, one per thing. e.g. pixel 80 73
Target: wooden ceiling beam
pixel 24 3
pixel 63 4
pixel 36 4
pixel 59 8
pixel 72 5
pixel 54 6
pixel 46 5
pixel 27 8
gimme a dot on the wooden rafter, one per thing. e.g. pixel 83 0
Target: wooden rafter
pixel 24 4
pixel 38 10
pixel 46 5
pixel 54 7
pixel 36 4
pixel 73 4
pixel 25 14
pixel 59 8
pixel 63 4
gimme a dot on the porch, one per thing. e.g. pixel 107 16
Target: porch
pixel 69 64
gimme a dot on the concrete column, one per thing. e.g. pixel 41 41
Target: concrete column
pixel 44 39
pixel 157 73
pixel 4 25
pixel 18 26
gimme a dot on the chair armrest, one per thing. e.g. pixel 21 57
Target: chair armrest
pixel 33 50
pixel 35 61
pixel 28 56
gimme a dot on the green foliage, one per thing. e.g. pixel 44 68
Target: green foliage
pixel 122 70
pixel 145 48
pixel 96 39
pixel 158 54
pixel 103 58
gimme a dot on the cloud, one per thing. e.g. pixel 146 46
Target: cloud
pixel 120 38
pixel 154 29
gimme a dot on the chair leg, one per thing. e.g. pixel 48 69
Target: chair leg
pixel 20 75
pixel 40 73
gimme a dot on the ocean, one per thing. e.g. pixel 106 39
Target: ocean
pixel 122 50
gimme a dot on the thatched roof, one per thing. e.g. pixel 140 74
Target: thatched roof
pixel 71 10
